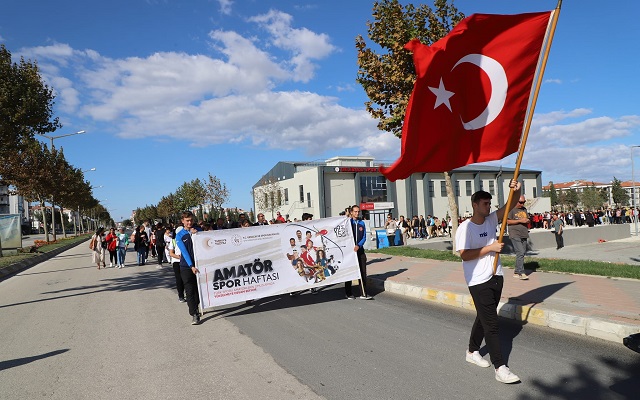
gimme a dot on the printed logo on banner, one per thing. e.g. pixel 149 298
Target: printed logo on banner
pixel 237 240
pixel 220 242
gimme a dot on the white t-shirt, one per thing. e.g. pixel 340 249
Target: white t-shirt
pixel 472 236
pixel 172 246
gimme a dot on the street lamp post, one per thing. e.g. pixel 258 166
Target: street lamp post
pixel 79 216
pixel 51 138
pixel 633 193
pixel 53 207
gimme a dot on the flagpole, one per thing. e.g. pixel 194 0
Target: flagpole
pixel 525 135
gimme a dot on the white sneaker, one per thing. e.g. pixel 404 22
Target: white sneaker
pixel 505 376
pixel 110 265
pixel 476 358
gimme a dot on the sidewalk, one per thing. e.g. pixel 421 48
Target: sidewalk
pixel 606 308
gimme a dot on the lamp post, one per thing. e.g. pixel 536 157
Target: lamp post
pixel 633 192
pixel 79 216
pixel 53 207
pixel 51 138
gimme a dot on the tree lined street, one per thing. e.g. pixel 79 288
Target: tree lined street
pixel 71 331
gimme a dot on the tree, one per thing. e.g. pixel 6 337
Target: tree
pixel 553 194
pixel 216 193
pixel 167 209
pixel 572 199
pixel 268 196
pixel 619 195
pixel 25 105
pixel 190 194
pixel 388 78
pixel 591 198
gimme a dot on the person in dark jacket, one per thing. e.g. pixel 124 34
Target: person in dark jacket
pixel 359 230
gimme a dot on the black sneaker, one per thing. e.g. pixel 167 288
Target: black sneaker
pixel 351 297
pixel 182 300
pixel 195 320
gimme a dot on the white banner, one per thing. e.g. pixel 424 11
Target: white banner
pixel 248 263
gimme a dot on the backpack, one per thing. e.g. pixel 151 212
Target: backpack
pixel 104 244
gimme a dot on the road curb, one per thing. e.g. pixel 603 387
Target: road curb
pixel 35 260
pixel 593 327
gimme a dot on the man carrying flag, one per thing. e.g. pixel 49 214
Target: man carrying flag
pixel 477 245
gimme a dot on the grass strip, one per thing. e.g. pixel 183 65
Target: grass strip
pixel 10 259
pixel 585 267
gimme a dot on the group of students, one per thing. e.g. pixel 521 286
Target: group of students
pixel 419 227
pixel 114 243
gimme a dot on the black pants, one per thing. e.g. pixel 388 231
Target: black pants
pixel 190 289
pixel 160 254
pixel 559 240
pixel 179 284
pixel 113 257
pixel 362 263
pixel 486 297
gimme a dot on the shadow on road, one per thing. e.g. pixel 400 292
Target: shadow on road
pixel 144 280
pixel 584 381
pixel 26 360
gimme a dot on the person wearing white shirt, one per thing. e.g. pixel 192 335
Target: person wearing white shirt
pixel 476 242
pixel 174 256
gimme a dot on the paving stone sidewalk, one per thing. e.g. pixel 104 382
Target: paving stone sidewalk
pixel 588 305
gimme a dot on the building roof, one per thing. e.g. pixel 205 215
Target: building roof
pixel 581 183
pixel 286 169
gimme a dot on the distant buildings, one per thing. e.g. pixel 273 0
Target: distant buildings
pixel 580 185
pixel 325 189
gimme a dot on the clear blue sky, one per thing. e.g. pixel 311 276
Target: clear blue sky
pixel 169 90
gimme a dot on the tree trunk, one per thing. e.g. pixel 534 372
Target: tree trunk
pixel 44 221
pixel 451 196
pixel 53 220
pixel 64 231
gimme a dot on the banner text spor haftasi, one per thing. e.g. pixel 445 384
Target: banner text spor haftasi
pixel 248 263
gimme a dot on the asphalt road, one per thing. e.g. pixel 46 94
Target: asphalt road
pixel 395 348
pixel 70 331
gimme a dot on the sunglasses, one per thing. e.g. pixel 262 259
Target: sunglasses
pixel 521 202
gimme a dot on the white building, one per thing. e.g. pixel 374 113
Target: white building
pixel 326 189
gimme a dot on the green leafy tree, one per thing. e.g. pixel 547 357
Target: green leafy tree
pixel 190 194
pixel 619 195
pixel 553 194
pixel 591 198
pixel 386 71
pixel 572 199
pixel 167 209
pixel 25 105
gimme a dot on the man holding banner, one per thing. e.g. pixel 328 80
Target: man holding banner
pixel 188 270
pixel 359 230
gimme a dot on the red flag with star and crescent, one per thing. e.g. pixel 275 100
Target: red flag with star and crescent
pixel 471 93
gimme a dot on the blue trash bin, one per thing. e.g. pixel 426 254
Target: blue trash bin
pixel 383 241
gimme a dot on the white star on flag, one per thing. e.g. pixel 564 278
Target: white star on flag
pixel 442 95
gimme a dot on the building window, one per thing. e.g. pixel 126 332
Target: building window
pixel 286 195
pixel 468 187
pixel 523 188
pixel 309 199
pixel 373 189
pixel 443 189
pixel 301 194
pixel 431 189
pixel 535 192
pixel 492 187
pixel 457 189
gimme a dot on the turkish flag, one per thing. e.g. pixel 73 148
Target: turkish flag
pixel 471 93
